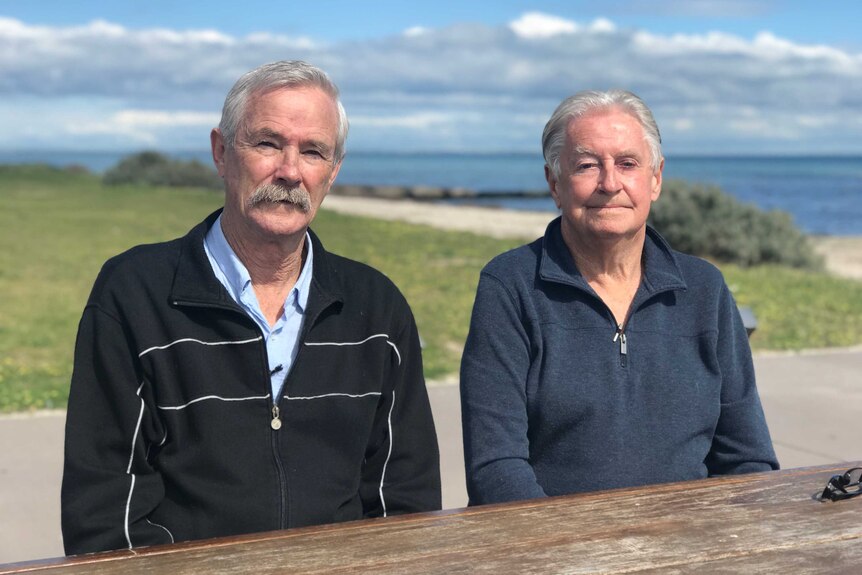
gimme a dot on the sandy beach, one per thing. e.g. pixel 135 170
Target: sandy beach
pixel 843 254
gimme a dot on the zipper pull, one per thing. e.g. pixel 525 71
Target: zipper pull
pixel 620 335
pixel 275 423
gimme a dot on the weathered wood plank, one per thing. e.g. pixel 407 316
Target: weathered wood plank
pixel 754 523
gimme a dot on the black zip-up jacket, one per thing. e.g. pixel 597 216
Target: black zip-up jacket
pixel 172 433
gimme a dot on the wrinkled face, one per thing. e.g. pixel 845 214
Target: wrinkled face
pixel 281 165
pixel 606 183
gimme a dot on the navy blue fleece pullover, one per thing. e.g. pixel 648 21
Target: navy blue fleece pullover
pixel 555 400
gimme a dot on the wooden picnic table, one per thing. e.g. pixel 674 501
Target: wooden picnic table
pixel 758 523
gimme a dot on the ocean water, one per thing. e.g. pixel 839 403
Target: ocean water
pixel 822 194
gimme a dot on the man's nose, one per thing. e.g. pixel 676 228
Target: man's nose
pixel 288 167
pixel 609 181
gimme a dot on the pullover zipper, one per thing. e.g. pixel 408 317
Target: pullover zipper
pixel 621 336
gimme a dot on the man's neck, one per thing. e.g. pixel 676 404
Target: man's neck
pixel 612 258
pixel 613 268
pixel 273 266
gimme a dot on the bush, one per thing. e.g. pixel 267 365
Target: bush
pixel 706 222
pixel 155 169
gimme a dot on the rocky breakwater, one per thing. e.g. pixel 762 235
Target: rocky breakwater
pixel 426 193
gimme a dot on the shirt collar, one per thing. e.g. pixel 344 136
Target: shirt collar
pixel 303 283
pixel 234 274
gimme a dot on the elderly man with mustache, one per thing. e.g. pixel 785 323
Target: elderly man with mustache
pixel 242 378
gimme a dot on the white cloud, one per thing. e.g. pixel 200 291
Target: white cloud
pixel 415 31
pixel 143 127
pixel 126 120
pixel 418 121
pixel 603 25
pixel 767 44
pixel 265 38
pixel 538 25
pixel 712 42
pixel 436 88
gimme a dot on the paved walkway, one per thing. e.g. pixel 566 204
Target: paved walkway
pixel 813 403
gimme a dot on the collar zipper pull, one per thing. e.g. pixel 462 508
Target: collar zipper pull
pixel 275 423
pixel 620 335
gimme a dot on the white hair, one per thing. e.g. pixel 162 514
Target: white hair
pixel 283 74
pixel 581 104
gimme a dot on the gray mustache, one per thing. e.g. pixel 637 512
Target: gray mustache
pixel 274 193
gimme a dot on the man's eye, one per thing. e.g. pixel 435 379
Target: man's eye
pixel 266 144
pixel 582 166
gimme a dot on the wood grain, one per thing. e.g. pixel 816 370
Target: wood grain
pixel 766 522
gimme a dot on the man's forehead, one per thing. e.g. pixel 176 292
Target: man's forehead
pixel 313 98
pixel 265 105
pixel 604 115
pixel 613 122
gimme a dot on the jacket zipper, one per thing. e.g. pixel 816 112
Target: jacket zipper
pixel 275 424
pixel 621 336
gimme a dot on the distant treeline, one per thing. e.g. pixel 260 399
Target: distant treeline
pixel 695 219
pixel 156 169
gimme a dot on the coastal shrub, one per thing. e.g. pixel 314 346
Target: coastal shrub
pixel 155 169
pixel 704 221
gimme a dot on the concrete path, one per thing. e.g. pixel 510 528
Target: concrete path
pixel 813 403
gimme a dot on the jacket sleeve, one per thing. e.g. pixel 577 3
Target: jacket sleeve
pixel 401 472
pixel 108 487
pixel 494 370
pixel 741 443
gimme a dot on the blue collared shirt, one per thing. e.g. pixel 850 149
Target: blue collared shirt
pixel 282 339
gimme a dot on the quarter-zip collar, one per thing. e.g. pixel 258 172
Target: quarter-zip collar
pixel 661 271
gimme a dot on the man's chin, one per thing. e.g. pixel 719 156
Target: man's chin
pixel 281 222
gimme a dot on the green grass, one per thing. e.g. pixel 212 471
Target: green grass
pixel 56 230
pixel 437 272
pixel 798 309
pixel 59 227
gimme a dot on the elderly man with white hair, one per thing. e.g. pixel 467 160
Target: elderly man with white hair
pixel 242 378
pixel 599 357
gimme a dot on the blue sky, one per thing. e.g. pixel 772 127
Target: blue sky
pixel 830 22
pixel 730 76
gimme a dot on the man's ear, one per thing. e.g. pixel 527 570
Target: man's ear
pixel 334 175
pixel 552 185
pixel 656 181
pixel 218 150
